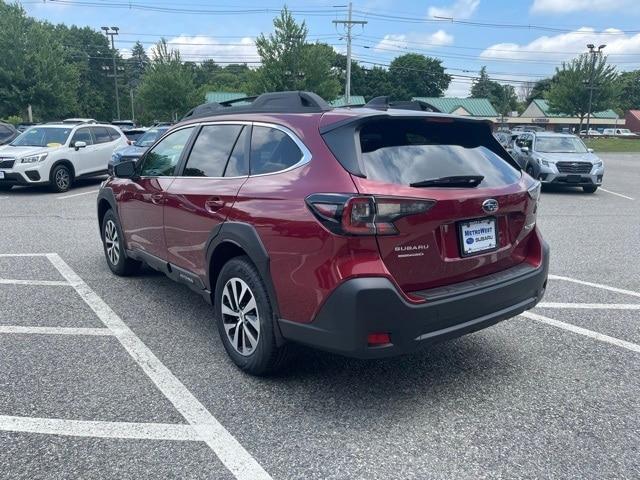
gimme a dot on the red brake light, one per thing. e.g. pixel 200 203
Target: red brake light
pixel 364 214
pixel 377 339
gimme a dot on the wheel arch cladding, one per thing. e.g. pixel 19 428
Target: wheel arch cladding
pixel 66 163
pixel 236 238
pixel 106 202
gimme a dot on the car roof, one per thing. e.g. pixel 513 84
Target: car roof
pixel 553 134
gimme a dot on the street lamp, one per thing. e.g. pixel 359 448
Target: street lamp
pixel 593 52
pixel 112 32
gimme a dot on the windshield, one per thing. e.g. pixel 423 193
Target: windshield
pixel 560 145
pixel 149 137
pixel 43 137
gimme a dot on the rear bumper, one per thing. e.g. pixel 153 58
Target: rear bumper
pixel 372 304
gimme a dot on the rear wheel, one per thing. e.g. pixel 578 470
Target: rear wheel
pixel 245 318
pixel 61 178
pixel 114 250
pixel 590 188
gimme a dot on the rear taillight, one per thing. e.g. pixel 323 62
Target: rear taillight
pixel 363 214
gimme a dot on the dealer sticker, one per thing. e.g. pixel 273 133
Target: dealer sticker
pixel 478 235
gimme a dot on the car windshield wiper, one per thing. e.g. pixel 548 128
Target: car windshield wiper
pixel 455 181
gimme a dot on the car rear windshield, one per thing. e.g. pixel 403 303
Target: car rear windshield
pixel 411 151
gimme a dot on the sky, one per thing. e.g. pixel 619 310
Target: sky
pixel 518 40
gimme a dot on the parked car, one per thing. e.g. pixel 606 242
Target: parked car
pixel 559 159
pixel 618 132
pixel 136 149
pixel 7 133
pixel 134 134
pixel 58 154
pixel 592 132
pixel 124 125
pixel 368 232
pixel 21 127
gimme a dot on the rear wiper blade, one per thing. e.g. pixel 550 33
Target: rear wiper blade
pixel 455 181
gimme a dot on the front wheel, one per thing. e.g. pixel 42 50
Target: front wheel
pixel 114 250
pixel 245 318
pixel 61 179
pixel 590 188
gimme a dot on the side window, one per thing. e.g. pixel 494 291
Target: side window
pixel 272 150
pixel 161 161
pixel 114 134
pixel 238 164
pixel 101 134
pixel 211 151
pixel 82 135
pixel 528 141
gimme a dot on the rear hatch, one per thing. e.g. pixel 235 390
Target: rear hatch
pixel 479 206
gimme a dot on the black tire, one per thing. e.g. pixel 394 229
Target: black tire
pixel 113 246
pixel 530 171
pixel 5 188
pixel 590 188
pixel 61 178
pixel 265 357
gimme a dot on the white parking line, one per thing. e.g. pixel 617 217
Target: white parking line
pixel 55 330
pixel 44 283
pixel 591 306
pixel 582 331
pixel 596 285
pixel 614 193
pixel 88 428
pixel 239 462
pixel 8 255
pixel 77 194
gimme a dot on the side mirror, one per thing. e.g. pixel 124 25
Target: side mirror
pixel 525 150
pixel 125 169
pixel 79 144
pixel 590 150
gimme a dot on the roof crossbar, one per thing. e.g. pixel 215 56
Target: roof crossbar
pixel 383 103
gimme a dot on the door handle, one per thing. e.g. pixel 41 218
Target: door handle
pixel 157 198
pixel 213 204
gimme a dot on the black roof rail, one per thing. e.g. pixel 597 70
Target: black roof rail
pixel 383 103
pixel 274 102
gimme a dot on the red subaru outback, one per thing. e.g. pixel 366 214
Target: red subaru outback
pixel 368 232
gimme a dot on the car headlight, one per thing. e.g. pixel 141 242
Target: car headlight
pixel 542 161
pixel 115 157
pixel 597 164
pixel 34 158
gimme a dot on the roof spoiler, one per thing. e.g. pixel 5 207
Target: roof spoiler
pixel 274 102
pixel 383 103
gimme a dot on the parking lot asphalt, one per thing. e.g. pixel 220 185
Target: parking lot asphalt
pixel 107 377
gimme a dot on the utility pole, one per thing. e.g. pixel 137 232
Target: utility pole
pixel 112 33
pixel 348 24
pixel 593 52
pixel 133 112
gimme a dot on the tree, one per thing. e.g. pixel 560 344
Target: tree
pixel 569 92
pixel 502 97
pixel 33 68
pixel 136 65
pixel 628 84
pixel 167 90
pixel 483 86
pixel 414 75
pixel 539 89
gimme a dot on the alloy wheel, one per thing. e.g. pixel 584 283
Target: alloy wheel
pixel 240 316
pixel 112 243
pixel 62 179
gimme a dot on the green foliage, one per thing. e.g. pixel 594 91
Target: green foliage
pixel 167 90
pixel 33 68
pixel 502 97
pixel 628 86
pixel 569 92
pixel 13 120
pixel 414 75
pixel 539 90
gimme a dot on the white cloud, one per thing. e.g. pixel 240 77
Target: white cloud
pixel 203 47
pixel 458 88
pixel 569 6
pixel 567 45
pixel 397 41
pixel 460 9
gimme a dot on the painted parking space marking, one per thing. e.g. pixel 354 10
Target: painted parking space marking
pixel 617 194
pixel 595 285
pixel 76 194
pixel 89 428
pixel 202 425
pixel 590 306
pixel 582 331
pixel 43 283
pixel 19 329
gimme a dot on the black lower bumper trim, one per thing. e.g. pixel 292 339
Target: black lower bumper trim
pixel 373 305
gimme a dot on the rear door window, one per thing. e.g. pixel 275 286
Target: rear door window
pixel 101 134
pixel 211 150
pixel 272 150
pixel 82 135
pixel 410 151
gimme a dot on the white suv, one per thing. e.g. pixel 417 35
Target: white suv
pixel 57 154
